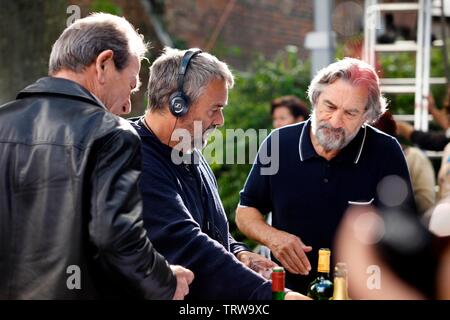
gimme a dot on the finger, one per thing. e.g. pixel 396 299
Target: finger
pixel 305 259
pixel 178 295
pixel 301 260
pixel 189 276
pixel 287 262
pixel 246 261
pixel 264 263
pixel 184 288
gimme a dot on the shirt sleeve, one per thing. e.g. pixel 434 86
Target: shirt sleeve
pixel 422 178
pixel 430 140
pixel 235 246
pixel 178 236
pixel 257 189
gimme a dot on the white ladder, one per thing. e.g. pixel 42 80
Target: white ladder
pixel 420 84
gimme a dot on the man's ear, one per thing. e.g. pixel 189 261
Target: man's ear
pixel 104 64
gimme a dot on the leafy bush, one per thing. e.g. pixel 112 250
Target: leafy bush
pixel 402 65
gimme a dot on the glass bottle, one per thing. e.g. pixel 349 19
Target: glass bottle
pixel 278 283
pixel 321 288
pixel 340 282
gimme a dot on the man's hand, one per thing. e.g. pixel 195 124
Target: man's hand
pixel 290 251
pixel 184 279
pixel 257 263
pixel 292 295
pixel 431 102
pixel 404 129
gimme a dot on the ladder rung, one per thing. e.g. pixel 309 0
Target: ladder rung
pixel 398 89
pixel 408 117
pixel 397 47
pixel 395 7
pixel 410 81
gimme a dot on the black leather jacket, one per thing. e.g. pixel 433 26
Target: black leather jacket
pixel 70 209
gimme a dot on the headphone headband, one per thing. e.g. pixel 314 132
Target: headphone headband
pixel 179 101
pixel 184 64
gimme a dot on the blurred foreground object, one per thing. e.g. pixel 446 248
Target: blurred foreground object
pixel 392 256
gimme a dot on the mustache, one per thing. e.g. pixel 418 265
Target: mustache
pixel 210 129
pixel 324 125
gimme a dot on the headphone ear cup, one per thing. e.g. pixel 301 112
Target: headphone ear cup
pixel 178 104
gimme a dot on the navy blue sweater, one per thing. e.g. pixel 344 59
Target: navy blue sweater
pixel 186 223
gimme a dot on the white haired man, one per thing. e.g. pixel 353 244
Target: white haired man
pixel 332 160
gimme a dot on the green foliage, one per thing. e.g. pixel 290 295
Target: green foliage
pixel 402 65
pixel 249 108
pixel 106 6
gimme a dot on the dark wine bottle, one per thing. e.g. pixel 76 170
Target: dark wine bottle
pixel 322 287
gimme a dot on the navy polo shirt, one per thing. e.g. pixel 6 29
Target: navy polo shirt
pixel 309 195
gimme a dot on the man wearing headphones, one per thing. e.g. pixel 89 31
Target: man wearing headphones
pixel 183 213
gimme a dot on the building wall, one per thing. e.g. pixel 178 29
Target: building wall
pixel 253 26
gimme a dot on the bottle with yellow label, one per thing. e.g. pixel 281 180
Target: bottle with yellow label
pixel 340 282
pixel 322 287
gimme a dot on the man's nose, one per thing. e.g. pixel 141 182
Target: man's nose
pixel 337 119
pixel 220 120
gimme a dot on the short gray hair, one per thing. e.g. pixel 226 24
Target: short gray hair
pixel 80 43
pixel 203 68
pixel 356 72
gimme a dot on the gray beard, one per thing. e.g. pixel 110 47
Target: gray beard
pixel 330 138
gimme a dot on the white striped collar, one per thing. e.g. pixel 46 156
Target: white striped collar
pixel 305 140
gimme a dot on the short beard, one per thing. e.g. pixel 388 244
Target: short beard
pixel 329 138
pixel 199 142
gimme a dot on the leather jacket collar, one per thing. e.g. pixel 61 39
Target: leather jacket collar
pixel 59 86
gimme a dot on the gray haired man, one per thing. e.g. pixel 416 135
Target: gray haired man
pixel 332 161
pixel 71 213
pixel 183 212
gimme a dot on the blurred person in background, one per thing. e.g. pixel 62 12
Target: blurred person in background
pixel 392 256
pixel 444 174
pixel 419 166
pixel 431 140
pixel 288 110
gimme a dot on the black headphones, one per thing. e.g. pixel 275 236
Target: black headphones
pixel 179 101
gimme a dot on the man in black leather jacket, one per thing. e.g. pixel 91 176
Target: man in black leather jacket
pixel 70 210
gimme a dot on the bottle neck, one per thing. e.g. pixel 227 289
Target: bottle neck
pixel 323 265
pixel 322 274
pixel 278 285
